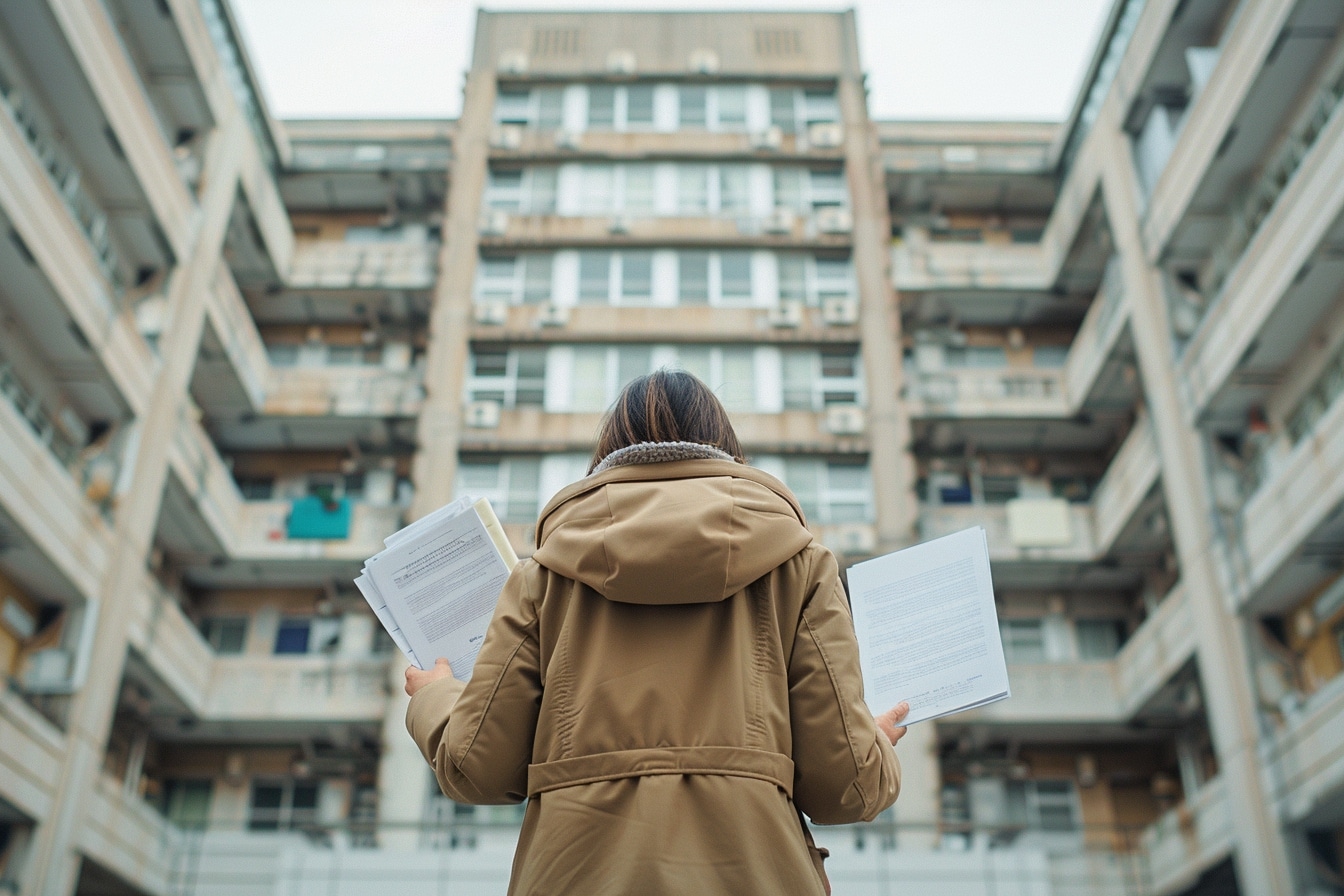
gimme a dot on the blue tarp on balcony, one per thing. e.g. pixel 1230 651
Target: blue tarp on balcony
pixel 311 517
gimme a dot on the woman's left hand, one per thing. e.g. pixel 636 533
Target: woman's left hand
pixel 418 678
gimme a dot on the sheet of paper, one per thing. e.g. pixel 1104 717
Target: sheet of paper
pixel 379 607
pixel 927 629
pixel 441 585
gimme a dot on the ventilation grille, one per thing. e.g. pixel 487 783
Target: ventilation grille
pixel 555 42
pixel 778 42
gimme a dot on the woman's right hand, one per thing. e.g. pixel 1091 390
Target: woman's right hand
pixel 890 722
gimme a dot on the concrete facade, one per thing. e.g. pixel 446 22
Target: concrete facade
pixel 236 353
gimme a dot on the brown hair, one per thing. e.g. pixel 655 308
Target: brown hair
pixel 667 406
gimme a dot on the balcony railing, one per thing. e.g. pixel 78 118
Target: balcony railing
pixel 919 263
pixel 328 264
pixel 1308 751
pixel 345 391
pixel 37 416
pixel 67 179
pixel 324 688
pixel 1259 201
pixel 1072 542
pixel 1190 837
pixel 999 392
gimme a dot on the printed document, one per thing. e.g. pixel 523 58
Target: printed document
pixel 928 633
pixel 435 586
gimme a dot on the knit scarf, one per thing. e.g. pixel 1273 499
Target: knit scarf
pixel 657 453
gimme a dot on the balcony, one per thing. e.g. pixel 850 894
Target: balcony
pixel 604 323
pixel 298 689
pixel 919 264
pixel 1008 543
pixel 1070 693
pixel 327 264
pixel 38 490
pixel 362 391
pixel 122 833
pixel 826 228
pixel 1096 337
pixel 235 331
pixel 1299 489
pixel 1002 393
pixel 1254 293
pixel 1156 651
pixel 22 127
pixel 1307 754
pixel 263 526
pixel 1189 839
pixel 213 495
pixel 170 643
pixel 1129 478
pixel 30 764
pixel 533 144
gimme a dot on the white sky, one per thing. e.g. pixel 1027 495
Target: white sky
pixel 941 59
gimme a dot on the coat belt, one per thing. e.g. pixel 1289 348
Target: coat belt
pixel 739 762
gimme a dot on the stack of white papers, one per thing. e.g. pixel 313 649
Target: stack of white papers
pixel 928 633
pixel 435 586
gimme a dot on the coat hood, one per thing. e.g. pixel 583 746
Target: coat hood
pixel 678 532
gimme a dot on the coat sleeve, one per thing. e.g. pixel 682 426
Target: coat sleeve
pixel 845 769
pixel 478 736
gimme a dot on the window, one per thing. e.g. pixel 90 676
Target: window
pixel 820 106
pixel 792 278
pixel 830 491
pixel 692 107
pixel 789 188
pixel 1099 639
pixel 513 378
pixel 692 190
pixel 736 383
pixel 186 803
pixel 513 107
pixel 693 278
pixel 834 278
pixel 227 635
pixel 598 185
pixel 988 357
pixel 734 198
pixel 639 190
pixel 639 106
pixel 550 107
pixel 828 187
pixel 636 276
pixel 1044 805
pixel 601 108
pixel 285 354
pixel 783 114
pixel 282 806
pixel 506 190
pixel 594 277
pixel 1050 355
pixel 256 488
pixel 735 277
pixel 302 634
pixel 1023 640
pixel 732 103
pixel 511 484
pixel 813 380
pixel 536 278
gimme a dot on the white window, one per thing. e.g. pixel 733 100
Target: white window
pixel 828 491
pixel 813 280
pixel 1044 805
pixel 734 190
pixel 731 108
pixel 813 379
pixel 1099 639
pixel 804 189
pixel 512 377
pixel 595 277
pixel 639 106
pixel 1023 640
pixel 734 278
pixel 515 278
pixel 638 190
pixel 510 483
pixel 598 185
pixel 601 108
pixel 693 278
pixel 693 190
pixel 793 110
pixel 820 106
pixel 692 109
pixel 624 278
pixel 283 805
pixel 542 107
pixel 523 190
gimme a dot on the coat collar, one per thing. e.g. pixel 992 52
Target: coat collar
pixel 657 453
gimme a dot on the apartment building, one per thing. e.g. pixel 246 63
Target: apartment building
pixel 237 353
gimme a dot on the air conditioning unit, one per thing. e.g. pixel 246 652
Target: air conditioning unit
pixel 851 539
pixel 621 62
pixel 482 414
pixel 553 315
pixel 703 62
pixel 506 136
pixel 840 311
pixel 787 314
pixel 492 314
pixel 845 420
pixel 834 220
pixel 512 62
pixel 771 138
pixel 825 135
pixel 493 223
pixel 619 224
pixel 780 221
pixel 567 139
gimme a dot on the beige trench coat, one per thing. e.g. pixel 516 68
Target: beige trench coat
pixel 671 672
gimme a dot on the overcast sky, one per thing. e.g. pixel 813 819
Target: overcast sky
pixel 949 59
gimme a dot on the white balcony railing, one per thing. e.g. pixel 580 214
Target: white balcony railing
pixel 310 688
pixel 921 264
pixel 129 838
pixel 1096 336
pixel 363 391
pixel 1078 545
pixel 1157 649
pixel 1131 474
pixel 1307 754
pixel 328 264
pixel 30 763
pixel 1189 838
pixel 1069 693
pixel 998 392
